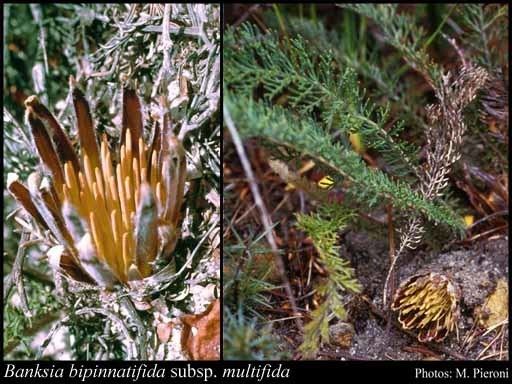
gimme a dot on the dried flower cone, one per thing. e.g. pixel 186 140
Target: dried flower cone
pixel 427 303
pixel 112 213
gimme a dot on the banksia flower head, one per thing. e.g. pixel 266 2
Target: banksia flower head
pixel 110 214
pixel 427 303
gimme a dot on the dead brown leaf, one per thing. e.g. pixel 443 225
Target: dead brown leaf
pixel 495 309
pixel 201 333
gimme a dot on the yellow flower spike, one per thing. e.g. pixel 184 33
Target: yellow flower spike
pixel 111 212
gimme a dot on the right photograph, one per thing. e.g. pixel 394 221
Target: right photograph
pixel 365 193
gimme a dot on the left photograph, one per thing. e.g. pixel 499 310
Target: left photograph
pixel 111 142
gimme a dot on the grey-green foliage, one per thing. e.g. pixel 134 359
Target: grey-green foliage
pixel 351 45
pixel 324 227
pixel 402 32
pixel 246 282
pixel 482 30
pixel 18 328
pixel 245 340
pixel 246 291
pixel 322 100
pixel 305 136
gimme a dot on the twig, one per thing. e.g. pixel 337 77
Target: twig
pixel 17 276
pixel 488 217
pixel 253 8
pixel 267 222
pixel 141 329
pixel 173 30
pixel 493 327
pixel 165 70
pixel 166 40
pixel 493 341
pixel 38 18
pixel 28 270
pixel 482 234
pixel 499 353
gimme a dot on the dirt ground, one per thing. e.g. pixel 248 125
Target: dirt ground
pixel 475 271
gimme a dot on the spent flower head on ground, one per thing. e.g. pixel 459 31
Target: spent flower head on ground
pixel 428 303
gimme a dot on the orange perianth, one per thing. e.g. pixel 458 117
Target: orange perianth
pixel 109 201
pixel 89 170
pixel 99 182
pixel 129 196
pixel 86 194
pixel 108 160
pixel 106 167
pixel 66 193
pixel 142 155
pixel 100 252
pixel 136 176
pixel 144 174
pixel 72 185
pixel 126 252
pixel 131 242
pixel 106 235
pixel 122 163
pixel 122 199
pixel 116 230
pixel 115 199
pixel 86 128
pixel 153 173
pixel 99 211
